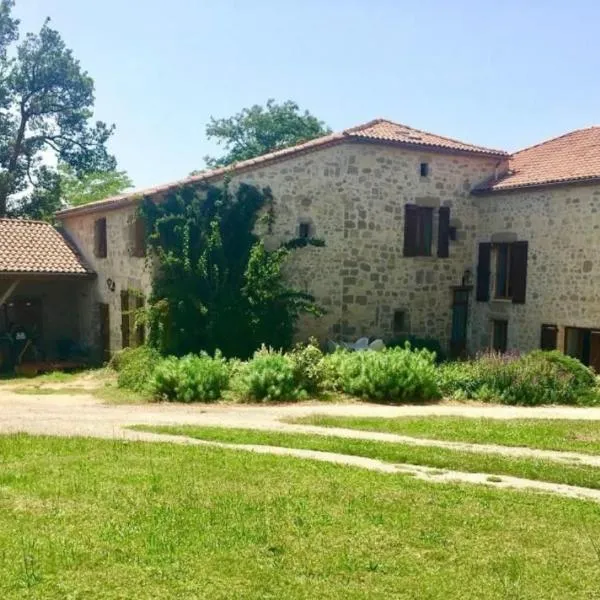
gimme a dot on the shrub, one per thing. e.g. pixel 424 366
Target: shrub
pixel 135 367
pixel 394 374
pixel 269 376
pixel 193 378
pixel 309 366
pixel 533 379
pixel 417 343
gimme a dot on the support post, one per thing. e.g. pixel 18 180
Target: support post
pixel 11 288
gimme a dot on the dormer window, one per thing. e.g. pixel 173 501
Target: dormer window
pixel 424 169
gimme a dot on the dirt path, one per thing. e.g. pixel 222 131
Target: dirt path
pixel 82 415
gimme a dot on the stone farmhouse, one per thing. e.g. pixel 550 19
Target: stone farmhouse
pixel 425 235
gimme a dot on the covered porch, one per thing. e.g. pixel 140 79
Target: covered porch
pixel 45 288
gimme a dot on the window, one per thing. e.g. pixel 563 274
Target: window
pixel 304 231
pixel 548 337
pixel 137 238
pixel 503 279
pixel 499 335
pixel 418 230
pixel 100 241
pixel 399 323
pixel 424 169
pixel 511 271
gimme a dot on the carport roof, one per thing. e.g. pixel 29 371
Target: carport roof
pixel 36 247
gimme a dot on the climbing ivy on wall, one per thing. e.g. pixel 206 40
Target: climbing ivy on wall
pixel 215 284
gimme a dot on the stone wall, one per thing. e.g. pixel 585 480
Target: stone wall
pixel 119 271
pixel 561 225
pixel 352 195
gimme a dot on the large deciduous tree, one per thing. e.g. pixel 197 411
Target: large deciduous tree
pixel 258 130
pixel 46 103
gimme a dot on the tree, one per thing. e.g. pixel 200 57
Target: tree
pixel 258 130
pixel 91 185
pixel 46 103
pixel 62 188
pixel 216 286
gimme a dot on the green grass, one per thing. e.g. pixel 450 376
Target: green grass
pixel 82 518
pixel 545 434
pixel 440 458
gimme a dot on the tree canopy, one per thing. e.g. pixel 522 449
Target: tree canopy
pixel 261 129
pixel 216 285
pixel 46 115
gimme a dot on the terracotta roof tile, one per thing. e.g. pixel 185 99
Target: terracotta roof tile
pixel 37 247
pixel 377 131
pixel 383 130
pixel 572 157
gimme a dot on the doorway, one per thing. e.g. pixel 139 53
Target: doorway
pixel 460 311
pixel 104 316
pixel 583 344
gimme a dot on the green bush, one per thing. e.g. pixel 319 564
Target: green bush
pixel 193 378
pixel 418 343
pixel 394 374
pixel 269 376
pixel 532 379
pixel 309 366
pixel 135 367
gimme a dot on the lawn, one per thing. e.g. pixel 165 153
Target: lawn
pixel 88 518
pixel 440 458
pixel 546 434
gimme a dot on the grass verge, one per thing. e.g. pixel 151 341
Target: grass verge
pixel 440 458
pixel 545 434
pixel 83 518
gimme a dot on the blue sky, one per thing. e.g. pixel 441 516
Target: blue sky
pixel 503 74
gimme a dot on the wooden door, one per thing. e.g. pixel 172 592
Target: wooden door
pixel 104 312
pixel 460 313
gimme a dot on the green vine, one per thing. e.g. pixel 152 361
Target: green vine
pixel 215 285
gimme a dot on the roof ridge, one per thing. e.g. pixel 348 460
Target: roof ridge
pixel 443 137
pixel 24 220
pixel 556 137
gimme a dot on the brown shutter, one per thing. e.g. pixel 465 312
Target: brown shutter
pixel 138 238
pixel 411 224
pixel 125 320
pixel 549 337
pixel 518 271
pixel 483 272
pixel 443 249
pixel 140 330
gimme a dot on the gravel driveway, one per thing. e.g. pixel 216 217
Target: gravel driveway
pixel 83 415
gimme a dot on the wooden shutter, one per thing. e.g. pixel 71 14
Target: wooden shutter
pixel 125 320
pixel 100 245
pixel 138 238
pixel 443 248
pixel 140 329
pixel 595 350
pixel 518 271
pixel 411 224
pixel 548 337
pixel 483 272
